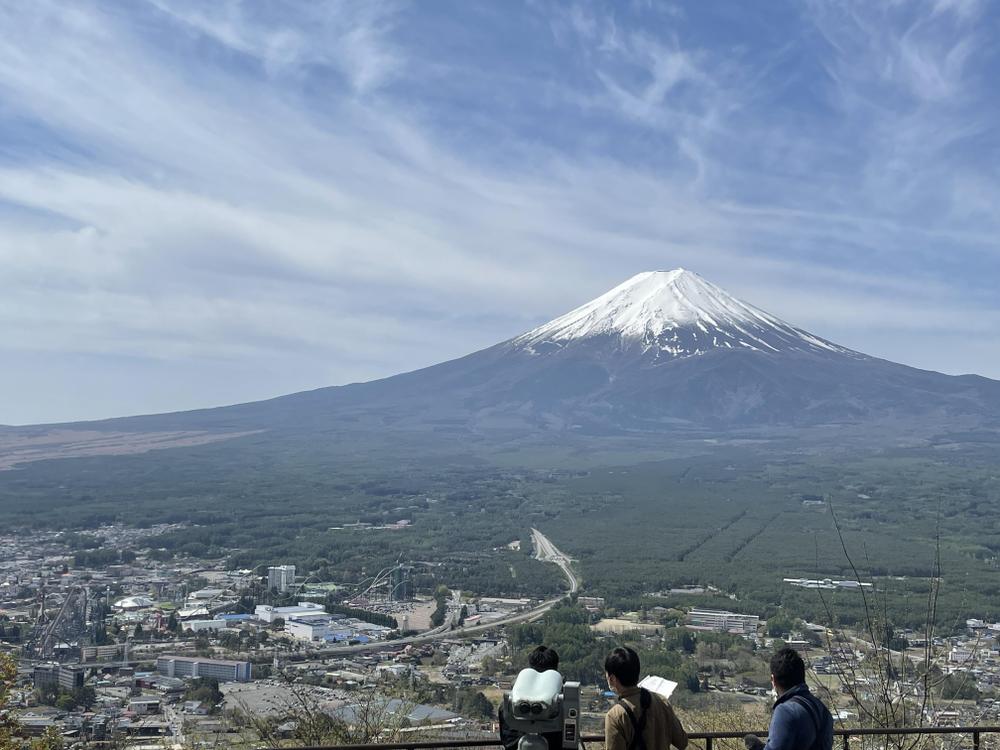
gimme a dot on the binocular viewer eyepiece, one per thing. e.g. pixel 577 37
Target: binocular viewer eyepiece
pixel 541 703
pixel 528 709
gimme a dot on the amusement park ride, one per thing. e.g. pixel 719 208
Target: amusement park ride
pixel 393 584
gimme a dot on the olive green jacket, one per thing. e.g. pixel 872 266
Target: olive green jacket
pixel 662 729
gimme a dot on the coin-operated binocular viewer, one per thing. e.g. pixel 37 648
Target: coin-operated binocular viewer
pixel 541 703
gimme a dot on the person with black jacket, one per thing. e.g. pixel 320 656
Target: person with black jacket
pixel 799 720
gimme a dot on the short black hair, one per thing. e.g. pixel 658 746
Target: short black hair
pixel 623 663
pixel 543 658
pixel 787 668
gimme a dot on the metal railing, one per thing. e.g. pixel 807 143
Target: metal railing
pixel 707 737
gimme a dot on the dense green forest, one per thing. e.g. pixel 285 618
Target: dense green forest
pixel 739 518
pixel 744 526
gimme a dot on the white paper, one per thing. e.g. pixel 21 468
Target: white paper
pixel 658 685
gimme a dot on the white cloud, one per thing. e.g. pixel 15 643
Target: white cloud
pixel 169 210
pixel 285 37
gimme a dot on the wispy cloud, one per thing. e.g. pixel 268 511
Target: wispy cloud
pixel 359 189
pixel 286 37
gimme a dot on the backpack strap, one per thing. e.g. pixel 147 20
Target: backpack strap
pixel 638 726
pixel 810 708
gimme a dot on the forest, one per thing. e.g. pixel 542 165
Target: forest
pixel 739 518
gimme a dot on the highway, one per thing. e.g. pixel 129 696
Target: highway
pixel 544 550
pixel 547 551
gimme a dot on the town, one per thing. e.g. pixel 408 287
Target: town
pixel 125 645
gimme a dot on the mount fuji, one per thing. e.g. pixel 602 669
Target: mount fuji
pixel 668 350
pixel 664 353
pixel 673 314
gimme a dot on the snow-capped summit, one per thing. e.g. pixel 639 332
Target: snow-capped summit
pixel 673 313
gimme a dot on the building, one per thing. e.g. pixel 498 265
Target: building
pixel 144 705
pixel 487 603
pixel 235 619
pixel 107 652
pixel 281 577
pixel 303 610
pixel 223 670
pixel 959 655
pixel 311 629
pixel 196 626
pixel 207 595
pixel 722 621
pixel 335 629
pixel 132 603
pixel 826 583
pixel 66 678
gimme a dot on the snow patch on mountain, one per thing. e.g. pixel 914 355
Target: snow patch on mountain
pixel 673 314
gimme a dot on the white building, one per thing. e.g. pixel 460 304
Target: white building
pixel 304 610
pixel 281 577
pixel 187 666
pixel 959 655
pixel 130 603
pixel 826 583
pixel 312 629
pixel 332 628
pixel 144 705
pixel 725 622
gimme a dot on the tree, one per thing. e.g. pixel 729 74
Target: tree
pixel 472 703
pixel 780 624
pixel 10 727
pixel 205 690
pixel 959 686
pixel 441 597
pixel 372 718
pixel 85 696
pixel 889 688
pixel 490 665
pixel 65 702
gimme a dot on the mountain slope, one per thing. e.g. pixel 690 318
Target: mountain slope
pixel 664 352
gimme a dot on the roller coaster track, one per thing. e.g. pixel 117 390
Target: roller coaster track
pixel 55 627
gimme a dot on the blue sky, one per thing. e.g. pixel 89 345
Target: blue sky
pixel 207 203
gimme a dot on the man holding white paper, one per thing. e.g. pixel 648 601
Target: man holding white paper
pixel 642 719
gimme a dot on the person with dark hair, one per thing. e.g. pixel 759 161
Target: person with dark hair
pixel 541 659
pixel 639 720
pixel 799 720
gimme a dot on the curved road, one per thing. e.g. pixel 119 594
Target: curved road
pixel 547 551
